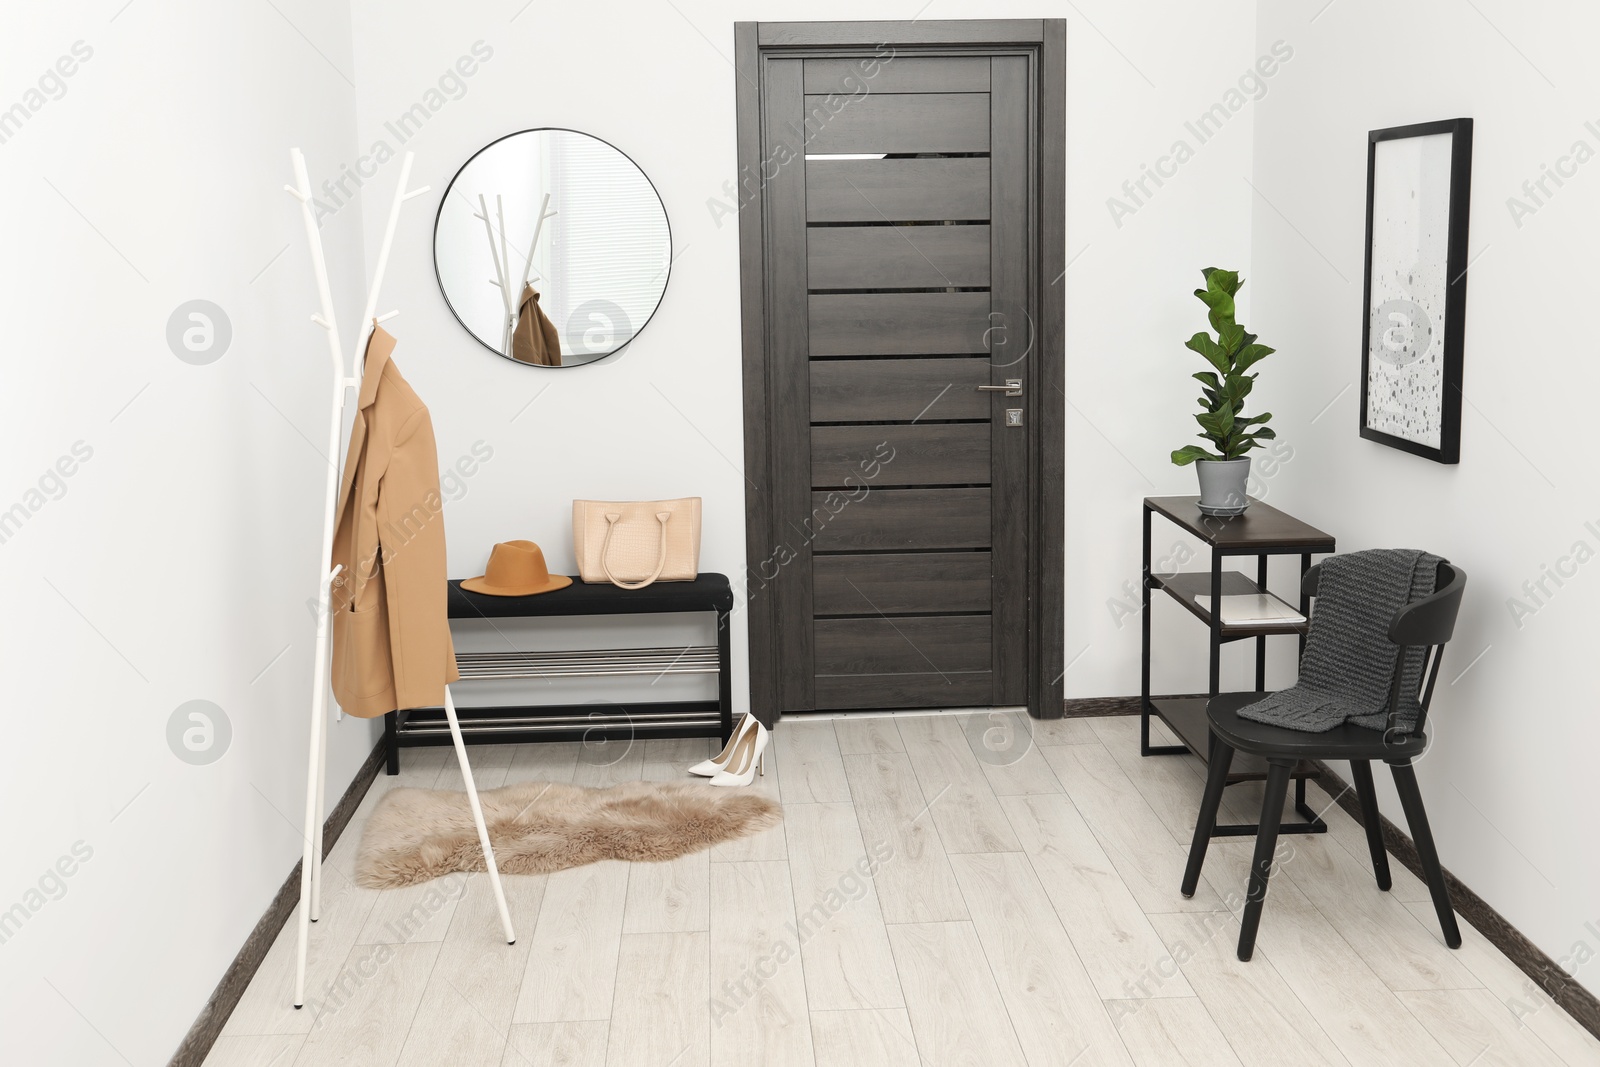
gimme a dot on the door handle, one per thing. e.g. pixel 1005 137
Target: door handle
pixel 1013 387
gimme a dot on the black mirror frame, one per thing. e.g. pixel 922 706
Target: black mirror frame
pixel 439 214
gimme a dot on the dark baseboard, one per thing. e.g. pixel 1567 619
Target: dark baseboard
pixel 1085 707
pixel 1548 975
pixel 203 1034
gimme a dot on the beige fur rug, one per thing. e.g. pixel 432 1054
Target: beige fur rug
pixel 415 835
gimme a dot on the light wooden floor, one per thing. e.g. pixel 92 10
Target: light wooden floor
pixel 919 905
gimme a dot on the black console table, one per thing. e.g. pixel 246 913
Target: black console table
pixel 1262 531
pixel 572 722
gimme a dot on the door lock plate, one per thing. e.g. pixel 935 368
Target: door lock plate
pixel 1013 416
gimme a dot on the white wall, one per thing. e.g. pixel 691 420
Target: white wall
pixel 662 419
pixel 1137 81
pixel 1509 780
pixel 174 563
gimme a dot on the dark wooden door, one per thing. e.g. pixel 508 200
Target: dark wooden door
pixel 900 272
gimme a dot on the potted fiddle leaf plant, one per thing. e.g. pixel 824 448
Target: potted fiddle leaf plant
pixel 1224 467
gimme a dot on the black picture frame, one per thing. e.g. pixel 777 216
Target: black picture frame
pixel 1452 338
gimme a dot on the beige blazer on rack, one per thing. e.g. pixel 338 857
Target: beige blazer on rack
pixel 535 339
pixel 391 635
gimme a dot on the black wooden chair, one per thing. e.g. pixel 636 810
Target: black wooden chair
pixel 1427 623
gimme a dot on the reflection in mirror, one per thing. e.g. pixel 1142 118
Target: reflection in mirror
pixel 552 248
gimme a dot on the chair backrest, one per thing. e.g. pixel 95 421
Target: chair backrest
pixel 1428 623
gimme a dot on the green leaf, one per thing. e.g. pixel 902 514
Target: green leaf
pixel 1208 379
pixel 1258 420
pixel 1221 305
pixel 1226 280
pixel 1231 334
pixel 1208 349
pixel 1189 453
pixel 1250 355
pixel 1217 422
pixel 1244 442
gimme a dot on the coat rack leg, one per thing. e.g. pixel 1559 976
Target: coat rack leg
pixel 477 817
pixel 322 818
pixel 308 859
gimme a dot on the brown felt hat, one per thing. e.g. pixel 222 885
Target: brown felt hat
pixel 516 568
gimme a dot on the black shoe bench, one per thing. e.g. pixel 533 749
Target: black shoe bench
pixel 602 721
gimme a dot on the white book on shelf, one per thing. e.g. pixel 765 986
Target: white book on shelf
pixel 1253 609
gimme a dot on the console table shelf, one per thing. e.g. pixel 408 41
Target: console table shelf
pixel 1187 587
pixel 1262 531
pixel 604 720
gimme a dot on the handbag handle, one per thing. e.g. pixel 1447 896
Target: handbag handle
pixel 605 548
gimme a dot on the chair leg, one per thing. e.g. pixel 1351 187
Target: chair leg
pixel 1206 821
pixel 1405 782
pixel 1361 771
pixel 1266 846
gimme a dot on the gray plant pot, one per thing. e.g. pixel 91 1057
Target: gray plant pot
pixel 1222 485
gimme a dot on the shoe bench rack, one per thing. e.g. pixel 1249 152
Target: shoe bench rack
pixel 515 724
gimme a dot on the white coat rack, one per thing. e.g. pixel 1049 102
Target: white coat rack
pixel 343 386
pixel 498 251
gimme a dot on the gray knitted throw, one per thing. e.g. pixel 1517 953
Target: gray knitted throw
pixel 1348 665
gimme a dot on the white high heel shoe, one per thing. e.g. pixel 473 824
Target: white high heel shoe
pixel 712 767
pixel 748 758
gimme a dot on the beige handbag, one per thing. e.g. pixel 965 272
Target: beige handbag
pixel 631 544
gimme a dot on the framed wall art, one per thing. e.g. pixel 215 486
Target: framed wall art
pixel 1419 181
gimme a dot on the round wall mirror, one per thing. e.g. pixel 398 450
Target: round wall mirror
pixel 552 248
